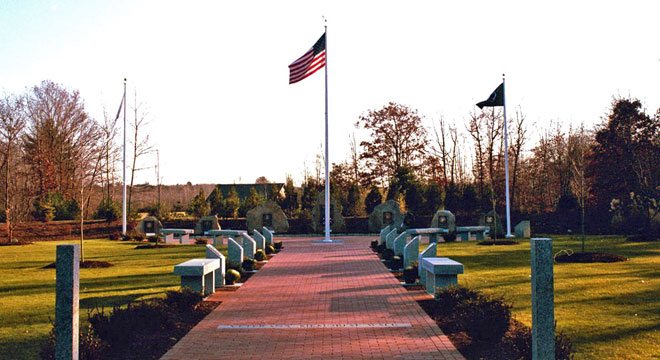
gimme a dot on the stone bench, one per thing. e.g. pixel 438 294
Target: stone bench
pixel 198 274
pixel 440 272
pixel 465 233
pixel 218 235
pixel 182 236
pixel 400 241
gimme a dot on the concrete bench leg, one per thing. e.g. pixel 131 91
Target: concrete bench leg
pixel 436 281
pixel 184 239
pixel 433 238
pixel 169 239
pixel 464 236
pixel 195 283
pixel 480 235
pixel 209 283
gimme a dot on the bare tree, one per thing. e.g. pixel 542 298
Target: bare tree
pixel 12 123
pixel 517 143
pixel 579 147
pixel 141 144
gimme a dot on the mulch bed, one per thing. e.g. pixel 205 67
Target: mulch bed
pixel 87 264
pixel 589 257
pixel 498 242
pixel 154 246
pixel 16 243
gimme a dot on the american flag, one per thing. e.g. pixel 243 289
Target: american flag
pixel 311 62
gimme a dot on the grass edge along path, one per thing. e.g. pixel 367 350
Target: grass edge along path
pixel 27 304
pixel 608 310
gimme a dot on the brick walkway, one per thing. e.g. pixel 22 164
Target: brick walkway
pixel 318 301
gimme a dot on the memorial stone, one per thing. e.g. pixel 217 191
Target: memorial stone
pixel 249 246
pixel 268 235
pixel 213 253
pixel 149 225
pixel 444 219
pixel 268 214
pixel 387 213
pixel 523 229
pixel 259 239
pixel 234 252
pixel 318 215
pixel 389 239
pixel 430 251
pixel 207 223
pixel 493 221
pixel 411 252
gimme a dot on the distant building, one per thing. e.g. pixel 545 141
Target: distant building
pixel 243 190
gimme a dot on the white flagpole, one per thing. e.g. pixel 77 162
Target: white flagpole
pixel 506 164
pixel 123 203
pixel 327 172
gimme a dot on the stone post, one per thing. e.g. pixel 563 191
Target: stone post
pixel 67 280
pixel 543 312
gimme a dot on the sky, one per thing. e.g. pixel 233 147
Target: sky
pixel 213 75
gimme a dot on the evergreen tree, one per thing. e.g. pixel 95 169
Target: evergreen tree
pixel 198 205
pixel 216 202
pixel 373 199
pixel 232 203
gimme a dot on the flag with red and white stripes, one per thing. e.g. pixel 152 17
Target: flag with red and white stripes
pixel 308 64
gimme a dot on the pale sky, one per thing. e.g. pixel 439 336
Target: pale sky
pixel 214 74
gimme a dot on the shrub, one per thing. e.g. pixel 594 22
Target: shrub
pixel 483 319
pixel 126 237
pixel 260 255
pixel 374 245
pixel 201 241
pixel 278 245
pixel 451 237
pixel 232 276
pixel 410 274
pixel 108 210
pixel 114 236
pixel 381 247
pixel 270 249
pixel 138 237
pixel 396 263
pixel 387 254
pixel 448 298
pixel 152 239
pixel 248 264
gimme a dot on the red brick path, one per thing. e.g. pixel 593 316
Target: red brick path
pixel 325 288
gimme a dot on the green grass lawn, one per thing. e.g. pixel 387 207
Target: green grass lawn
pixel 609 310
pixel 27 304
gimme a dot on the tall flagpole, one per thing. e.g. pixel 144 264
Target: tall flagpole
pixel 123 203
pixel 506 164
pixel 327 172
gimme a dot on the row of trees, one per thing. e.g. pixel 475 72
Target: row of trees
pixel 57 162
pixel 56 159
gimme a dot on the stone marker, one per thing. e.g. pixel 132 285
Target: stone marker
pixel 67 282
pixel 268 214
pixel 149 225
pixel 383 233
pixel 523 229
pixel 249 246
pixel 234 252
pixel 492 220
pixel 543 311
pixel 318 215
pixel 259 239
pixel 411 252
pixel 399 243
pixel 213 253
pixel 268 235
pixel 430 251
pixel 207 223
pixel 387 213
pixel 389 239
pixel 444 219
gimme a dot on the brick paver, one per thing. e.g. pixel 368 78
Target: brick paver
pixel 319 291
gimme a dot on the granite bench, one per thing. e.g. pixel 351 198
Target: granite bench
pixel 198 274
pixel 440 272
pixel 182 236
pixel 218 235
pixel 466 232
pixel 400 241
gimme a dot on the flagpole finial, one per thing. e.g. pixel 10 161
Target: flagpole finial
pixel 124 80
